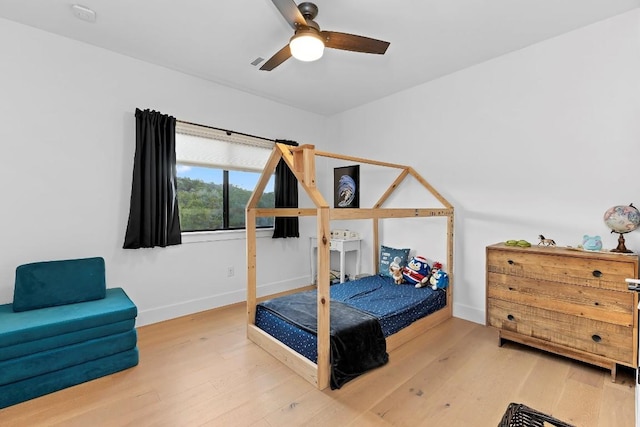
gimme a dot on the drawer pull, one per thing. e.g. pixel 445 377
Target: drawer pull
pixel 597 273
pixel 511 262
pixel 510 317
pixel 510 288
pixel 596 303
pixel 596 338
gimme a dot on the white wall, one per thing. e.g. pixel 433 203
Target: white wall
pixel 68 137
pixel 539 141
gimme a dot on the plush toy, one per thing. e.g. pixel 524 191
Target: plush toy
pixel 396 273
pixel 591 243
pixel 417 271
pixel 438 279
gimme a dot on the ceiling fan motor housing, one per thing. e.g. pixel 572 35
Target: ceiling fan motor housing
pixel 308 10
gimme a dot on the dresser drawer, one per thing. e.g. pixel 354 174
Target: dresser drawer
pixel 573 267
pixel 601 338
pixel 577 300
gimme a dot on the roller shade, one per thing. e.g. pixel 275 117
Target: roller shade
pixel 204 146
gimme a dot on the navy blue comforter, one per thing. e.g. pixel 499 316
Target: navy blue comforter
pixel 357 342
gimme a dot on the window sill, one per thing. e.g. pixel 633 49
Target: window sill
pixel 216 236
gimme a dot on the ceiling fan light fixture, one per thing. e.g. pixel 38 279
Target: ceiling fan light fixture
pixel 306 45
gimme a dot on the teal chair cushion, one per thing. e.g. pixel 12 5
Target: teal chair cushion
pixel 53 283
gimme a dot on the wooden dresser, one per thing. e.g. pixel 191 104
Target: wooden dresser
pixel 567 301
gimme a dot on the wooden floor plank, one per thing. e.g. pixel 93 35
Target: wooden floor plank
pixel 579 403
pixel 613 408
pixel 300 409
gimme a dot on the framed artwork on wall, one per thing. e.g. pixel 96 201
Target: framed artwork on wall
pixel 346 187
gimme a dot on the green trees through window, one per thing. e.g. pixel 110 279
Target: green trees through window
pixel 215 199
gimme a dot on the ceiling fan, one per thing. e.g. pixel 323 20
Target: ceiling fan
pixel 308 42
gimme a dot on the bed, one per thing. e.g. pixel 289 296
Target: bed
pixel 308 345
pixel 291 320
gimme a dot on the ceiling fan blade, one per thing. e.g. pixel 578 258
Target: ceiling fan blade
pixel 354 43
pixel 291 13
pixel 277 59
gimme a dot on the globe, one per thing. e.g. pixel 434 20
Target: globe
pixel 622 219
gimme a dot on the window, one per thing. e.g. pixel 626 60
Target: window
pixel 217 172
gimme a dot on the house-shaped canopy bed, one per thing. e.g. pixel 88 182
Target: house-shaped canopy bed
pixel 301 161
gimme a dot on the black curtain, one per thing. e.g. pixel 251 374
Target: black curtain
pixel 286 196
pixel 153 212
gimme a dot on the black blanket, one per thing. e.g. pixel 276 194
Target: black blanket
pixel 357 342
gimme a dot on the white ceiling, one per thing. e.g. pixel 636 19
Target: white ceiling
pixel 217 40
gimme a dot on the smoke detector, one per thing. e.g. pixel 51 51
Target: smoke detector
pixel 84 13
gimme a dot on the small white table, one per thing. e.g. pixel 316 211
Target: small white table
pixel 342 246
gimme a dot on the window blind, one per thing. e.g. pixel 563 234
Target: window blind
pixel 204 146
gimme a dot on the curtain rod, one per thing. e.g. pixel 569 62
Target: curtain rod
pixel 227 131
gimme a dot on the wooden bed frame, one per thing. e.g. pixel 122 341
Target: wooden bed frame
pixel 301 161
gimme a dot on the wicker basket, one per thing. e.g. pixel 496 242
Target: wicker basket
pixel 519 415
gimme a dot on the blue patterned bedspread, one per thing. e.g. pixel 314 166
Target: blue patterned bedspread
pixel 395 306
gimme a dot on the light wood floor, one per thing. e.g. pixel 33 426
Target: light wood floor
pixel 201 370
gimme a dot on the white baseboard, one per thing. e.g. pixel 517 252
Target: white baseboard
pixel 184 308
pixel 471 314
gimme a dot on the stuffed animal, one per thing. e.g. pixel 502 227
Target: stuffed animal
pixel 438 279
pixel 417 271
pixel 591 243
pixel 396 273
